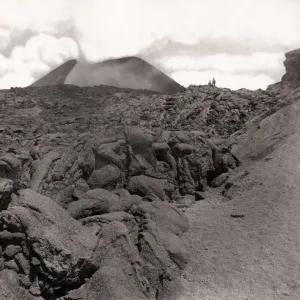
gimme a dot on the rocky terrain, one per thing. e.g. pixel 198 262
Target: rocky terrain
pixel 111 193
pixel 292 65
pixel 127 72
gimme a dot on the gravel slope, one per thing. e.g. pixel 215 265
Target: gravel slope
pixel 257 256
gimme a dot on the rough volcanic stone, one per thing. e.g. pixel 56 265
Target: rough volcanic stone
pixel 105 177
pixel 218 181
pixel 12 250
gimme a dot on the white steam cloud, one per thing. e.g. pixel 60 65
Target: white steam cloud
pixel 254 63
pixel 114 28
pixel 4 38
pixel 234 71
pixel 38 56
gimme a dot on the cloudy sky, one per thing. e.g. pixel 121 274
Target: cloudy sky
pixel 239 42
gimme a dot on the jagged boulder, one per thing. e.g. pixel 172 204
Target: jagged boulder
pixel 55 248
pixel 10 166
pixel 94 202
pixel 119 276
pixel 140 140
pixel 159 243
pixel 52 254
pixel 127 271
pixel 71 193
pixel 120 216
pixel 15 165
pixel 41 170
pixel 161 150
pixel 190 159
pixel 58 174
pixel 100 201
pixel 110 152
pixel 145 185
pixel 292 66
pixel 166 216
pixel 107 177
pixel 218 181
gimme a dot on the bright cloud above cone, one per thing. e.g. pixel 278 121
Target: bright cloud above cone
pixel 262 30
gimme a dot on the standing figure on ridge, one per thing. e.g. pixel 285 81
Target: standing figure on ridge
pixel 209 83
pixel 214 82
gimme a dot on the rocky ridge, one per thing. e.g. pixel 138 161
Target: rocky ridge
pixel 292 65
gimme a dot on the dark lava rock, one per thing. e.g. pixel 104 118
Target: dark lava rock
pixel 218 181
pixel 200 196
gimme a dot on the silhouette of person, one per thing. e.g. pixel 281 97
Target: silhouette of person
pixel 209 83
pixel 214 82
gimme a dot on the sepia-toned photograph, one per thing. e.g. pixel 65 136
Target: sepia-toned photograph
pixel 149 150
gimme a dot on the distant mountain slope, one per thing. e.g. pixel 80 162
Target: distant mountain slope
pixel 127 72
pixel 56 76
